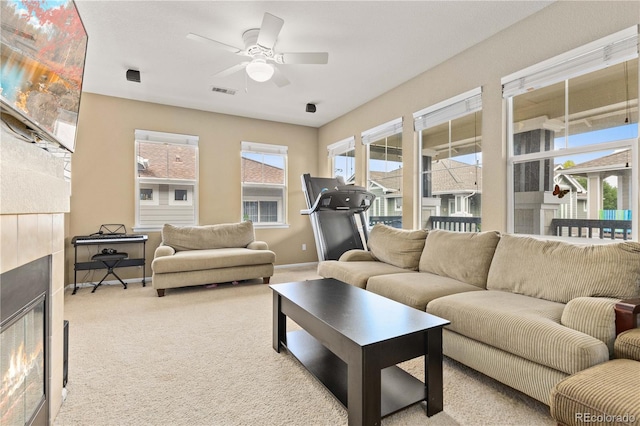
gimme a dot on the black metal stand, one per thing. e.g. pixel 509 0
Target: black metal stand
pixel 110 240
pixel 110 262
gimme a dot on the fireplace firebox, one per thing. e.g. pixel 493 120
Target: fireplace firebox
pixel 24 343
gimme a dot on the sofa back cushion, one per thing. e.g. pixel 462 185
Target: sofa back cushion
pixel 561 271
pixel 225 235
pixel 464 256
pixel 397 247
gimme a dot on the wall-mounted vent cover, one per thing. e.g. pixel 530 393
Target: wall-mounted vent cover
pixel 223 90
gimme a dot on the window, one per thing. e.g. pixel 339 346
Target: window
pixel 264 178
pixel 450 140
pixel 384 172
pixel 342 155
pixel 166 179
pixel 573 142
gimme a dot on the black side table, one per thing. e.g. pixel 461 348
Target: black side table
pixel 110 262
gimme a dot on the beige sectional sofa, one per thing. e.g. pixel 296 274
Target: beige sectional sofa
pixel 524 311
pixel 197 255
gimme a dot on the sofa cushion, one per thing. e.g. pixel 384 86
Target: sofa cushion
pixel 416 290
pixel 560 271
pixel 463 256
pixel 356 273
pixel 197 260
pixel 225 235
pixel 524 326
pixel 397 247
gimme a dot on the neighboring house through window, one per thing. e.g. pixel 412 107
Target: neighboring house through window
pixel 264 183
pixel 450 141
pixel 166 179
pixel 573 141
pixel 384 172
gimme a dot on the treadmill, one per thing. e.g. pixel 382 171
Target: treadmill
pixel 332 208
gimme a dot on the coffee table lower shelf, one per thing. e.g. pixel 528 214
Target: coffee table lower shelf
pixel 399 389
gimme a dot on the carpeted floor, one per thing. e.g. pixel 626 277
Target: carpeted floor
pixel 202 356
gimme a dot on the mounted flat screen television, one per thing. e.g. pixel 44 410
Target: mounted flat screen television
pixel 43 51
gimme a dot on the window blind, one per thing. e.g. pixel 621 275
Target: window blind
pixel 382 131
pixel 445 111
pixel 342 146
pixel 151 136
pixel 264 148
pixel 614 49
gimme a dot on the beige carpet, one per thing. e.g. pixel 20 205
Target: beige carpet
pixel 204 357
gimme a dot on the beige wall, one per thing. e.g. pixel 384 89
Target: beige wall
pixel 103 170
pixel 103 178
pixel 558 28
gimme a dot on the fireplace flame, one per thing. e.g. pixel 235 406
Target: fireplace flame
pixel 21 365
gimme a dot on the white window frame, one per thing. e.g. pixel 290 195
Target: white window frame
pixel 448 110
pixel 338 149
pixel 382 131
pixel 174 202
pixel 607 51
pixel 267 149
pixel 154 190
pixel 154 183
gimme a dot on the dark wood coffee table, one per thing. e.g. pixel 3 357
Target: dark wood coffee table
pixel 352 339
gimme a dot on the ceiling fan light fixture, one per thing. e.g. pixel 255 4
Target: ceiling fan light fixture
pixel 259 70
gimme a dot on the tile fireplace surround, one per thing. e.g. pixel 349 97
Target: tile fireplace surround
pixel 33 200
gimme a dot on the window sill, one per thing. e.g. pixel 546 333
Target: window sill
pixel 145 229
pixel 271 226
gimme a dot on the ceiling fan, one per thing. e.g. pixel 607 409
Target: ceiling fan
pixel 259 44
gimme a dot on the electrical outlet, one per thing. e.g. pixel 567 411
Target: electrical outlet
pixel 304 247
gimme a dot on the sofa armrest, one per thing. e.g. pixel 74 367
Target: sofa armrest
pixel 258 245
pixel 164 251
pixel 594 316
pixel 356 255
pixel 627 312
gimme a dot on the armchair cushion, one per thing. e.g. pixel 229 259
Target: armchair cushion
pixel 226 235
pixel 200 260
pixel 603 394
pixel 628 345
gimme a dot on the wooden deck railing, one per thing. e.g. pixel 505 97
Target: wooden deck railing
pixel 613 229
pixel 455 223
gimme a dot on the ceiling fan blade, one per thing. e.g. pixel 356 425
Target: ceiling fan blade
pixel 279 78
pixel 233 69
pixel 305 58
pixel 269 30
pixel 196 37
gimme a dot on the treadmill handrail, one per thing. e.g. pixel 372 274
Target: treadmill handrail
pixel 363 195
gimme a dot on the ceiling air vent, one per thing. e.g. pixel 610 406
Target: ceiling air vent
pixel 223 90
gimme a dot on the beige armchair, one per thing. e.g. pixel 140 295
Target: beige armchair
pixel 197 255
pixel 608 393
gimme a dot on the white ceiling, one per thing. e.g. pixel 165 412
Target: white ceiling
pixel 373 47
